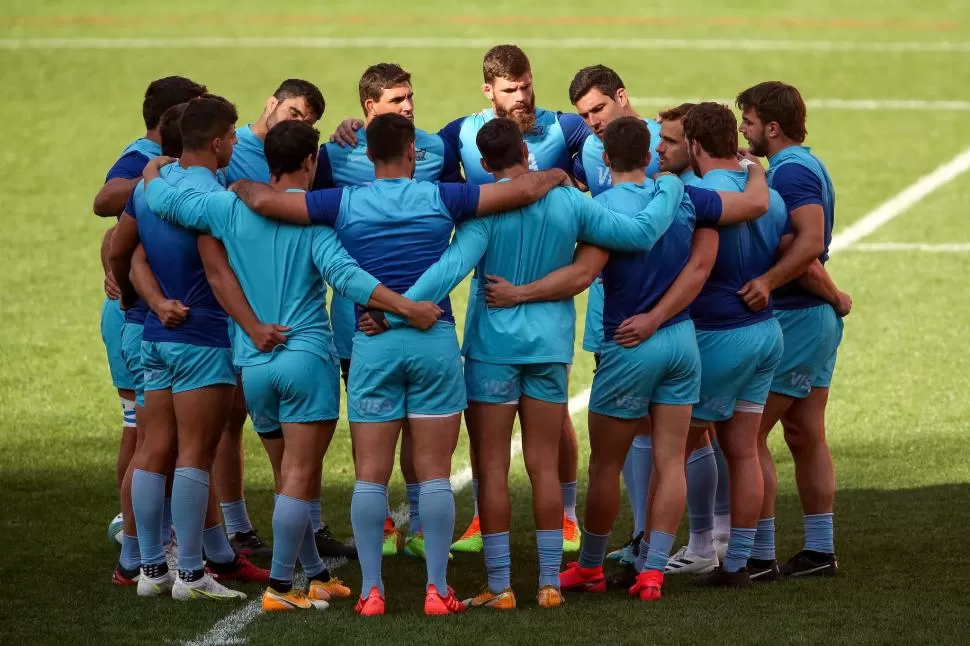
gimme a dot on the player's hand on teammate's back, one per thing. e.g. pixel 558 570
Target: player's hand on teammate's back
pixel 844 306
pixel 745 153
pixel 636 329
pixel 171 313
pixel 755 294
pixel 346 132
pixel 423 314
pixel 266 336
pixel 111 289
pixel 151 169
pixel 501 293
pixel 370 326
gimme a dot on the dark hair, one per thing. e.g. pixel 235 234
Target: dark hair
pixel 163 93
pixel 500 143
pixel 169 129
pixel 204 119
pixel 378 78
pixel 298 88
pixel 388 137
pixel 505 61
pixel 288 143
pixel 678 113
pixel 778 102
pixel 714 127
pixel 597 76
pixel 627 143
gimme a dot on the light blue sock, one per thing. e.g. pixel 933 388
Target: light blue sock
pixel 367 518
pixel 569 499
pixel 549 547
pixel 642 470
pixel 190 496
pixel 643 554
pixel 629 481
pixel 216 546
pixel 308 555
pixel 819 533
pixel 701 487
pixel 722 497
pixel 437 509
pixel 316 516
pixel 739 548
pixel 130 556
pixel 475 495
pixel 498 561
pixel 236 516
pixel 592 550
pixel 659 550
pixel 167 521
pixel 148 502
pixel 764 540
pixel 414 492
pixel 291 518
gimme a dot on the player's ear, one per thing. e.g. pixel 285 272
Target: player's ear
pixel 488 92
pixel 271 104
pixel 368 106
pixel 772 129
pixel 485 166
pixel 622 98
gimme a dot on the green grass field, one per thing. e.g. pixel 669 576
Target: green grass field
pixel 898 411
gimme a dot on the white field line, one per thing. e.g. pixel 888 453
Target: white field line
pixel 459 42
pixel 227 631
pixel 825 104
pixel 946 247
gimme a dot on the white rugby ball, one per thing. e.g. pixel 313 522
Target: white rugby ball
pixel 116 530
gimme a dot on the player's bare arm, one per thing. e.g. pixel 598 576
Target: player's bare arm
pixel 565 282
pixel 122 246
pixel 170 312
pixel 524 189
pixel 273 204
pixel 749 205
pixel 112 197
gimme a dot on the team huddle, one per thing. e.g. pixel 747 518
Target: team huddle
pixel 711 318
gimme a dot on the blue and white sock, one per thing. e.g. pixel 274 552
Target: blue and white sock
pixel 436 505
pixel 291 519
pixel 236 516
pixel 367 514
pixel 722 496
pixel 316 515
pixel 414 496
pixel 549 547
pixel 190 496
pixel 569 499
pixel 130 558
pixel 819 533
pixel 739 548
pixel 764 540
pixel 148 502
pixel 701 487
pixel 592 551
pixel 498 561
pixel 216 546
pixel 642 471
pixel 658 550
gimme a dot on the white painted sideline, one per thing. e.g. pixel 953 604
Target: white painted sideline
pixel 945 247
pixel 228 629
pixel 825 104
pixel 459 42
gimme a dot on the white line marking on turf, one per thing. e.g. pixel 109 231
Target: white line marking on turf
pixel 946 247
pixel 826 104
pixel 458 42
pixel 226 632
pixel 899 203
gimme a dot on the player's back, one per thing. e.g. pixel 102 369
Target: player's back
pixel 173 255
pixel 633 283
pixel 523 246
pixel 745 251
pixel 248 158
pixel 339 166
pixel 599 178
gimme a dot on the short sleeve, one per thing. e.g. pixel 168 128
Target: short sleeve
pixel 460 200
pixel 798 186
pixel 129 166
pixel 323 205
pixel 575 130
pixel 451 137
pixel 324 175
pixel 130 205
pixel 707 205
pixel 451 166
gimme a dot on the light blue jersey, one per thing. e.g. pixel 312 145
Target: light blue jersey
pixel 539 332
pixel 597 176
pixel 279 266
pixel 248 158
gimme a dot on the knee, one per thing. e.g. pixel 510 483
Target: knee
pixel 802 437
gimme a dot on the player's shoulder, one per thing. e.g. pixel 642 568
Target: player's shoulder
pixel 428 142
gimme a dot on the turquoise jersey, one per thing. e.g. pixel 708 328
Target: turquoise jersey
pixel 248 158
pixel 279 266
pixel 597 175
pixel 506 245
pixel 745 251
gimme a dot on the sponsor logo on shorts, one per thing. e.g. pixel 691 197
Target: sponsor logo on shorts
pixel 631 402
pixel 497 388
pixel 800 381
pixel 373 406
pixel 718 404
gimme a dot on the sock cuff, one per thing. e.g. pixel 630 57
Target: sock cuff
pixel 314 501
pixel 809 517
pixel 766 522
pixel 567 484
pixel 435 486
pixel 150 474
pixel 589 533
pixel 196 475
pixel 413 486
pixel 282 497
pixel 234 503
pixel 643 441
pixel 362 486
pixel 217 526
pixel 700 454
pixel 548 533
pixel 495 535
pixel 744 531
